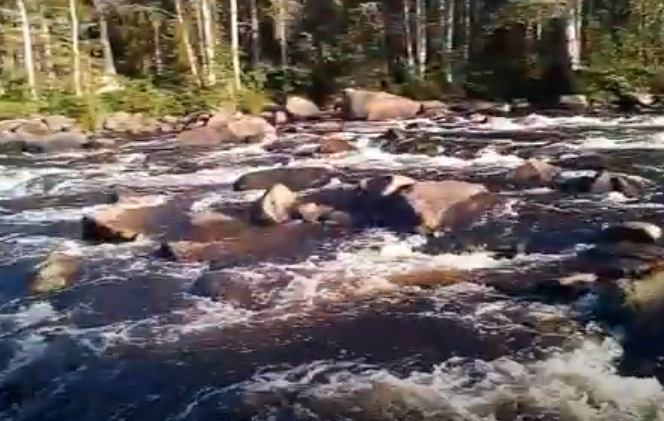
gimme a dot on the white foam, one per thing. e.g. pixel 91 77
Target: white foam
pixel 579 385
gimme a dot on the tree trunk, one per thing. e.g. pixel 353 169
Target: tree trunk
pixel 421 36
pixel 75 49
pixel 109 60
pixel 448 44
pixel 573 35
pixel 255 35
pixel 189 50
pixel 27 48
pixel 158 58
pixel 47 47
pixel 206 13
pixel 408 36
pixel 282 16
pixel 235 45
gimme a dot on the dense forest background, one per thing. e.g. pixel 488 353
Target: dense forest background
pixel 179 56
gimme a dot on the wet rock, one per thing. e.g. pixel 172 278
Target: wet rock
pixel 200 136
pixel 58 142
pixel 10 126
pixel 397 142
pixel 274 207
pixel 60 123
pixel 123 122
pixel 433 108
pixel 221 117
pixel 295 178
pixel 334 143
pixel 632 231
pixel 301 108
pixel 376 106
pixel 126 221
pixel 485 108
pixel 249 246
pixel 383 186
pixel 236 129
pixel 426 206
pixel 428 278
pixel 573 102
pixel 605 182
pixel 535 172
pixel 12 144
pixel 33 128
pixel 58 271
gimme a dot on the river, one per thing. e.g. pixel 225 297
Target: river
pixel 317 334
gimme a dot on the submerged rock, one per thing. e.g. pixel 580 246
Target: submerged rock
pixel 334 143
pixel 605 182
pixel 295 178
pixel 58 271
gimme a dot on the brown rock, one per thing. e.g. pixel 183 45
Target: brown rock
pixel 334 143
pixel 295 178
pixel 127 220
pixel 376 106
pixel 34 128
pixel 534 171
pixel 58 271
pixel 283 240
pixel 428 278
pixel 237 129
pixel 427 206
pixel 301 108
pixel 386 185
pixel 274 207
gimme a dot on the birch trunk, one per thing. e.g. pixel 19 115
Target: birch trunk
pixel 158 59
pixel 573 35
pixel 448 44
pixel 408 36
pixel 255 34
pixel 47 47
pixel 200 41
pixel 235 45
pixel 189 50
pixel 206 14
pixel 282 16
pixel 421 36
pixel 27 48
pixel 75 49
pixel 109 60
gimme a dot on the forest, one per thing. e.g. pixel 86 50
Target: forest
pixel 178 56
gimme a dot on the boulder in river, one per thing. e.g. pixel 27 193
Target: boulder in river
pixel 236 129
pixel 274 207
pixel 605 182
pixel 425 206
pixel 295 178
pixel 334 143
pixel 631 231
pixel 376 105
pixel 301 108
pixel 127 220
pixel 535 172
pixel 56 272
pixel 57 142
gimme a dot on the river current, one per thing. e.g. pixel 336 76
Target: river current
pixel 319 334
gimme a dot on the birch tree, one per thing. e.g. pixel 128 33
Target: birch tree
pixel 186 41
pixel 28 54
pixel 235 45
pixel 75 48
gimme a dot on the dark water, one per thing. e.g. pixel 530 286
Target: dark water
pixel 314 331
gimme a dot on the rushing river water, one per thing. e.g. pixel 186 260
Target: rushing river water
pixel 318 334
